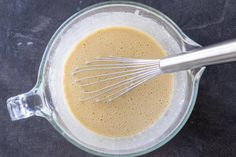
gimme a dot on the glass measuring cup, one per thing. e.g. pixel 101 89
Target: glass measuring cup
pixel 46 98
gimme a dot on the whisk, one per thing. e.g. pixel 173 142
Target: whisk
pixel 107 78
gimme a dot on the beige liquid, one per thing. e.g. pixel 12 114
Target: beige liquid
pixel 134 111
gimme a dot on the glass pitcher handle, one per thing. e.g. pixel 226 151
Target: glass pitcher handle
pixel 24 105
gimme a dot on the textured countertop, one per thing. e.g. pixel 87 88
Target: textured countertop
pixel 25 29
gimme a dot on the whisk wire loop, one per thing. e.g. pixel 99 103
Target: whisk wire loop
pixel 121 75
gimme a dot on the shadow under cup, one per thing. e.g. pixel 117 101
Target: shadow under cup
pixel 50 81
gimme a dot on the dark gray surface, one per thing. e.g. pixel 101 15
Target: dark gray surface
pixel 27 25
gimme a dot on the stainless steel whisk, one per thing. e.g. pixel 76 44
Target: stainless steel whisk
pixel 115 76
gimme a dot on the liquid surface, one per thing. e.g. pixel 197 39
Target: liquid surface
pixel 132 112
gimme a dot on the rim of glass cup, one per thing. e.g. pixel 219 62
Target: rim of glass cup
pixel 196 74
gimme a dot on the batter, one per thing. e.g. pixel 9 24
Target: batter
pixel 133 112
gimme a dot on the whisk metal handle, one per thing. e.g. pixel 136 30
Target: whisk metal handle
pixel 215 54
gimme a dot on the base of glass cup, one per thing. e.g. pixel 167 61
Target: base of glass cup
pixel 108 16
